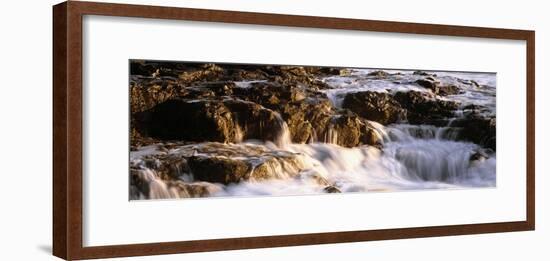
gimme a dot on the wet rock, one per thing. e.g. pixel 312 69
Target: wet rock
pixel 477 129
pixel 426 83
pixel 227 163
pixel 424 108
pixel 150 92
pixel 479 155
pixel 331 189
pixel 217 88
pixel 474 110
pixel 255 121
pixel 314 177
pixel 291 75
pixel 378 74
pixel 147 184
pixel 349 130
pixel 219 169
pixel 198 170
pixel 166 166
pixel 375 106
pixel 271 94
pixel 445 90
pixel 208 120
pixel 207 72
pixel 188 120
pixel 326 71
pixel 307 113
pixel 422 73
pixel 306 119
pixel 194 189
pixel 345 72
pixel 142 68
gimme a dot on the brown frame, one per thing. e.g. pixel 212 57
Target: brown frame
pixel 67 129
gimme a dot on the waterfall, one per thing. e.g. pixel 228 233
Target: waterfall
pixel 156 187
pixel 407 132
pixel 412 156
pixel 434 160
pixel 282 138
pixel 238 133
pixel 331 135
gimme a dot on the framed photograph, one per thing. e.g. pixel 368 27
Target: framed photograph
pixel 185 130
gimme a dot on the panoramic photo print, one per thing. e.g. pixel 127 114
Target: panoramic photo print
pixel 224 130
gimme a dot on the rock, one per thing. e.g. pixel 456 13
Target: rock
pixel 314 177
pixel 424 108
pixel 216 88
pixel 378 74
pixel 188 120
pixel 219 169
pixel 422 73
pixel 232 163
pixel 332 189
pixel 147 184
pixel 306 112
pixel 256 121
pixel 270 94
pixel 448 90
pixel 375 106
pixel 477 129
pixel 306 119
pixel 207 72
pixel 479 155
pixel 430 82
pixel 245 74
pixel 316 121
pixel 474 110
pixel 345 72
pixel 329 71
pixel 208 120
pixel 142 68
pixel 150 92
pixel 432 85
pixel 194 189
pixel 199 169
pixel 292 75
pixel 349 130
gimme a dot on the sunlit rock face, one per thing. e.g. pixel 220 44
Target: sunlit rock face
pixel 210 130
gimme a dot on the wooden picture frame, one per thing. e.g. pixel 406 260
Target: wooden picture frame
pixel 68 145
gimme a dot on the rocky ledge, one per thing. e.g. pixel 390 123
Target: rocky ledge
pixel 207 110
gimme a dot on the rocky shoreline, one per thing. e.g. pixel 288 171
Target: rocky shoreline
pixel 193 119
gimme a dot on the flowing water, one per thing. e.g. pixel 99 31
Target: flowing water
pixel 412 157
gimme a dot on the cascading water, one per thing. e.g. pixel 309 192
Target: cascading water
pixel 411 156
pixel 283 138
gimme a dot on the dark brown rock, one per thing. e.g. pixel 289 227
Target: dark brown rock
pixel 375 106
pixel 477 129
pixel 448 90
pixel 425 108
pixel 332 189
pixel 207 72
pixel 378 74
pixel 219 169
pixel 187 120
pixel 432 85
pixel 208 120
